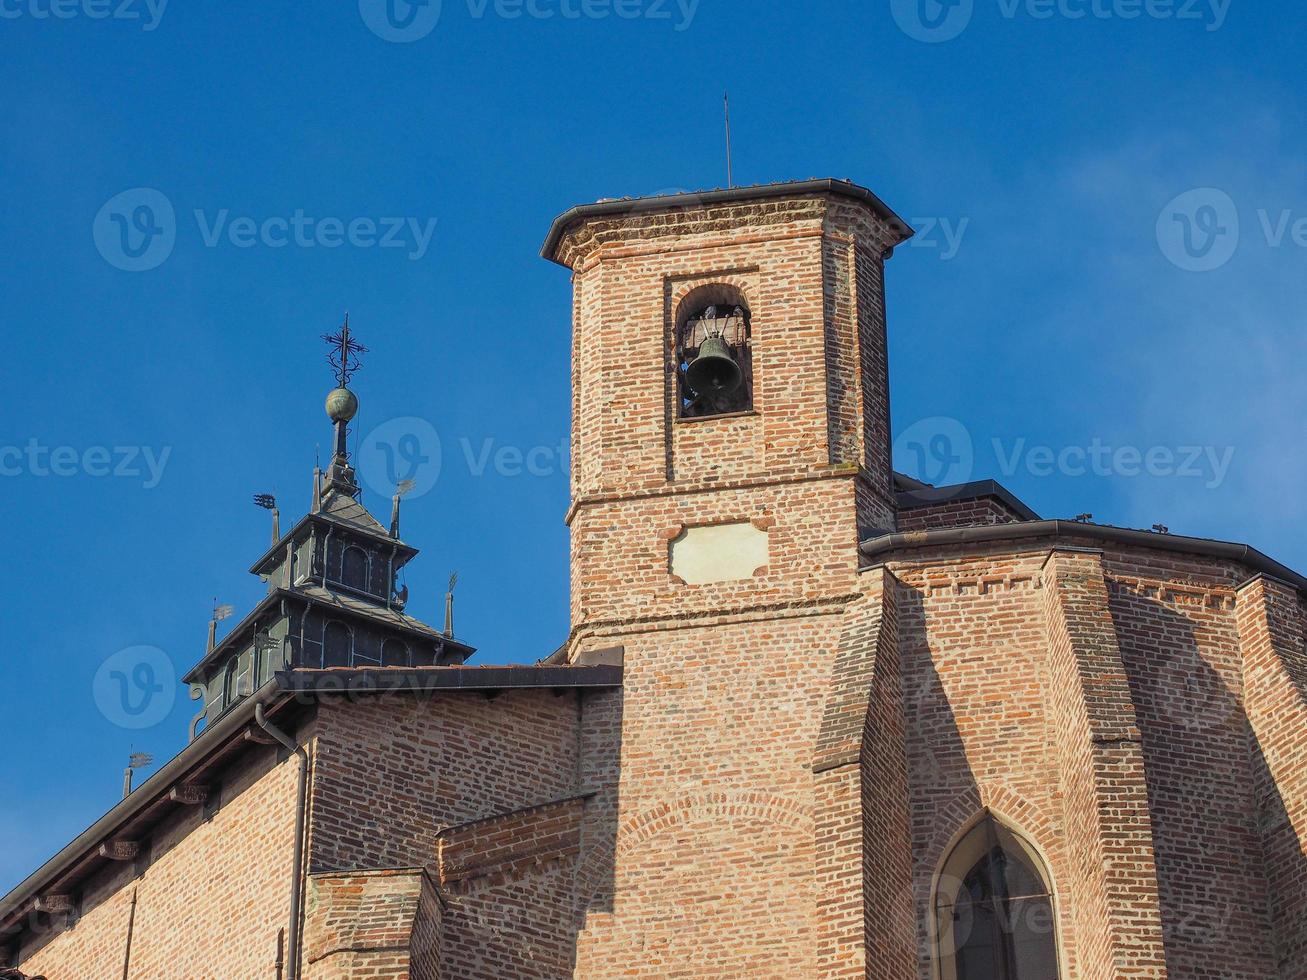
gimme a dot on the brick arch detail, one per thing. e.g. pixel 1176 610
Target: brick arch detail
pixel 653 820
pixel 741 282
pixel 1011 808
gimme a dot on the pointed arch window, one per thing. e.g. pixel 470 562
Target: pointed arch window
pixel 355 568
pixel 394 653
pixel 993 909
pixel 229 684
pixel 337 644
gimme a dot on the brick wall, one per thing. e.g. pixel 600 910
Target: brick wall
pixel 866 921
pixel 211 901
pixel 1273 645
pixel 456 782
pixel 957 513
pixel 715 849
pixel 1107 821
pixel 1094 701
pixel 392 771
pixel 976 685
pixel 1176 627
pixel 509 881
pixel 381 924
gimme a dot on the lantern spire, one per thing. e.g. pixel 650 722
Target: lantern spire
pixel 344 354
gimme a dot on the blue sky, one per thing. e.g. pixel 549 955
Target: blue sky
pixel 1052 326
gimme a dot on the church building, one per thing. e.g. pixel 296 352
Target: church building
pixel 813 719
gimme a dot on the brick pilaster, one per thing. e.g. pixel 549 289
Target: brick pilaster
pixel 1114 892
pixel 1273 644
pixel 383 924
pixel 865 924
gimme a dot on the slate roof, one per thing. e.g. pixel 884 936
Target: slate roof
pixel 369 609
pixel 345 508
pixel 350 605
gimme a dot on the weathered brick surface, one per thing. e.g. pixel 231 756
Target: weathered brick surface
pixel 978 730
pixel 1273 646
pixel 715 845
pixel 1016 701
pixel 1177 635
pixel 510 880
pixel 866 921
pixel 504 844
pixel 956 513
pixel 1106 815
pixel 210 903
pixel 391 772
pixel 382 924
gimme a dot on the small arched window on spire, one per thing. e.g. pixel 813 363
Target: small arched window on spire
pixel 394 653
pixel 355 568
pixel 337 644
pixel 229 684
pixel 993 908
pixel 714 353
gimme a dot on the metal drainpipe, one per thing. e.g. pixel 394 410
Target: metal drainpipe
pixel 301 812
pixel 131 927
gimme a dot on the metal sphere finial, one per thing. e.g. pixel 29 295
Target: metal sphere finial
pixel 342 405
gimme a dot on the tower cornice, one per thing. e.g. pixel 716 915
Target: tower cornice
pixel 646 207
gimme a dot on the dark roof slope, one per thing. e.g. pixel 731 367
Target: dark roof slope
pixel 885 546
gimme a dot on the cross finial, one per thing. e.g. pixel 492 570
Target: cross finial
pixel 344 354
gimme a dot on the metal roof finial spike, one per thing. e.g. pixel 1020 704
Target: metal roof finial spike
pixel 345 357
pixel 730 175
pixel 449 606
pixel 404 487
pixel 220 612
pixel 268 502
pixel 137 760
pixel 345 354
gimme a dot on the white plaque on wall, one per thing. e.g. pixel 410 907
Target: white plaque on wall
pixel 718 553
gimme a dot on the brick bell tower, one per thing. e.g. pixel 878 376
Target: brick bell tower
pixel 730 447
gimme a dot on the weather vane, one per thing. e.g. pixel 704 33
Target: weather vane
pixel 344 354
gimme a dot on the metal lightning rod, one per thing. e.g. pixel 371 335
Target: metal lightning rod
pixel 730 176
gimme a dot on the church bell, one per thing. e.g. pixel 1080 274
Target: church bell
pixel 714 371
